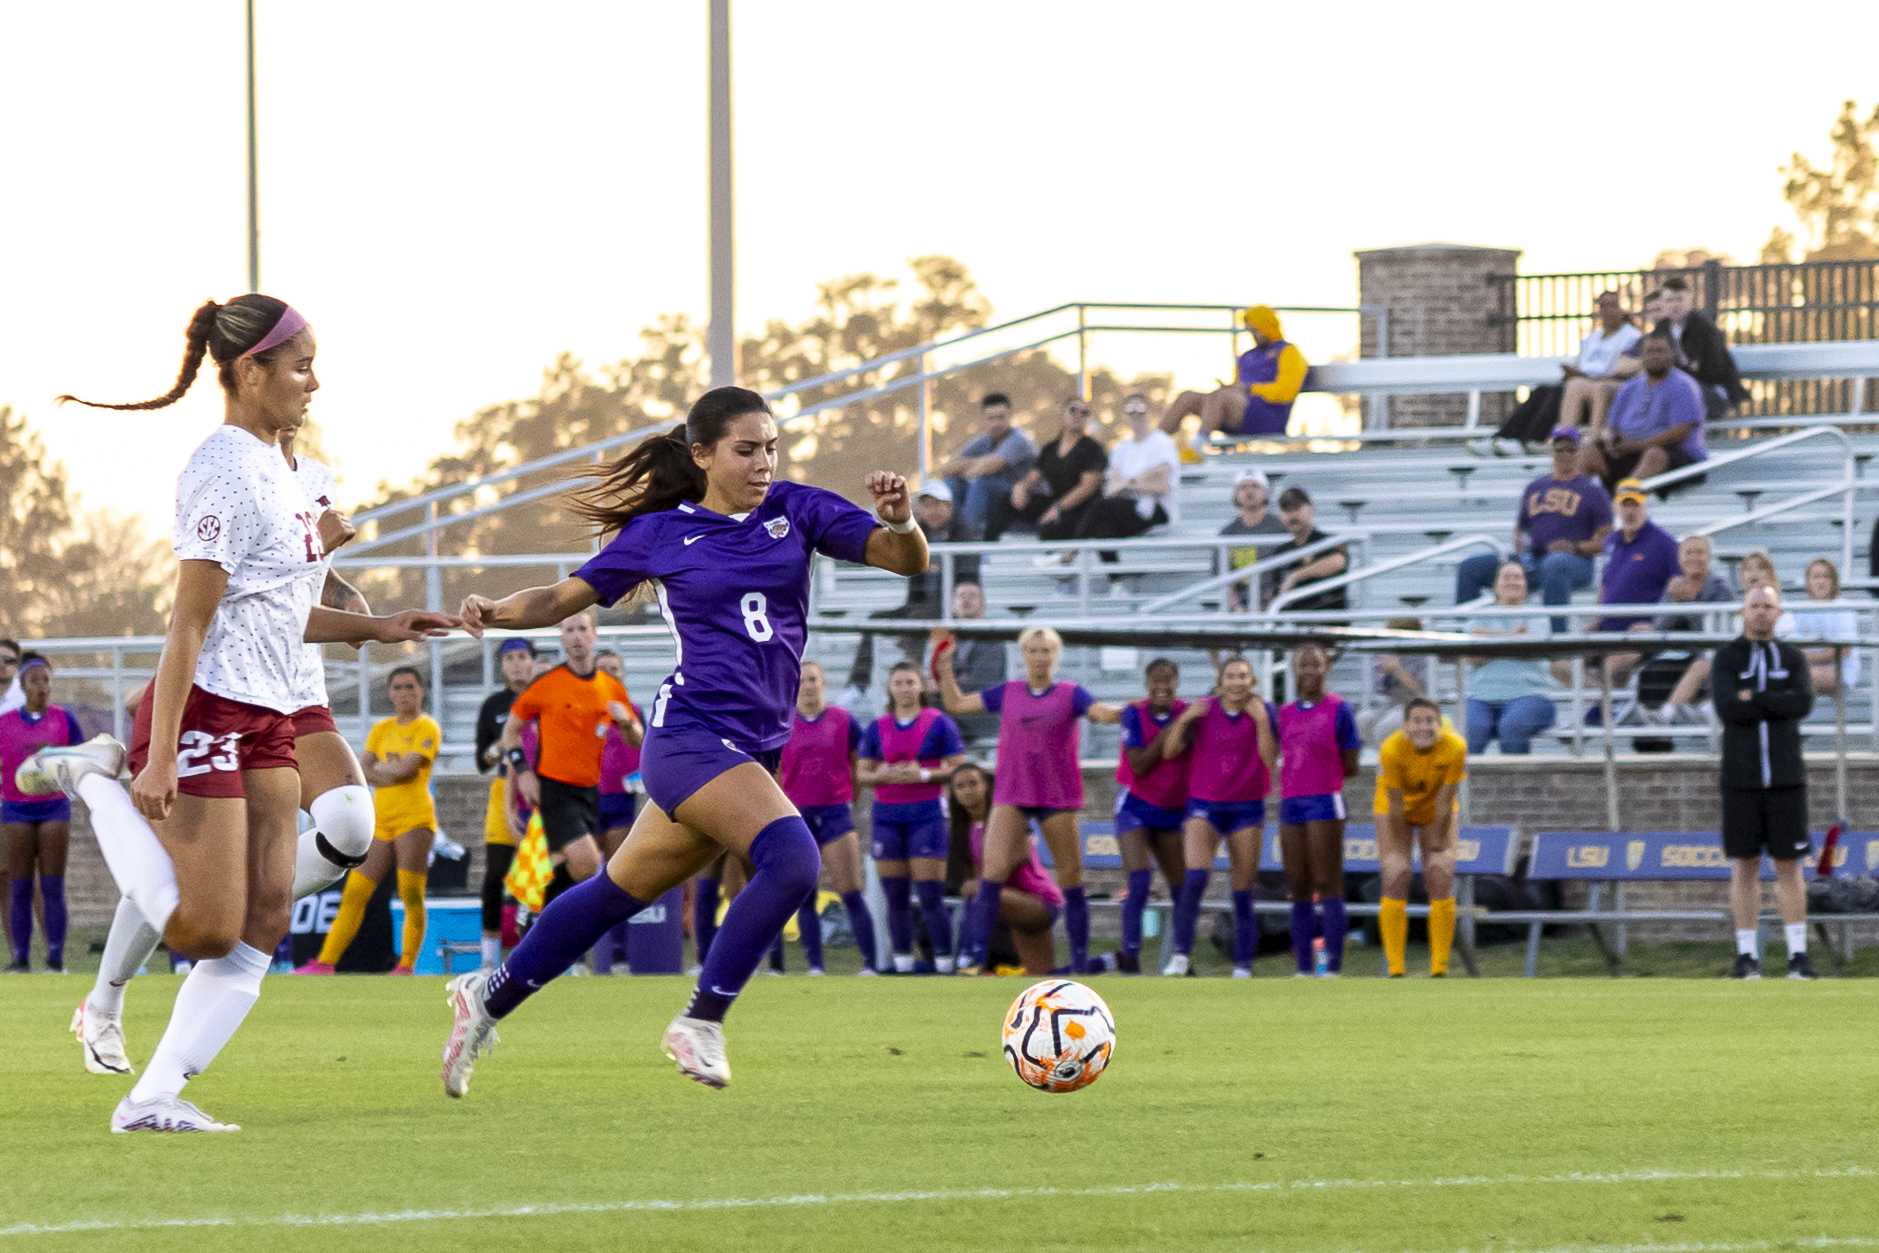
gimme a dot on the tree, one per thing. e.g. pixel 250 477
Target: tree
pixel 1836 205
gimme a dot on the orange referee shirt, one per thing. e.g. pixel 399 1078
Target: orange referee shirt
pixel 572 714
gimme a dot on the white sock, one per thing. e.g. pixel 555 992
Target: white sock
pixel 492 952
pixel 344 816
pixel 127 946
pixel 214 999
pixel 1797 937
pixel 1745 943
pixel 903 963
pixel 131 849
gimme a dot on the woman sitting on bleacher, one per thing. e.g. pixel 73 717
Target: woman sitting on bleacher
pixel 1823 583
pixel 1141 484
pixel 1509 698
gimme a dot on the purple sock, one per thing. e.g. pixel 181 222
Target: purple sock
pixel 809 923
pixel 600 960
pixel 704 916
pixel 20 919
pixel 861 922
pixel 1302 919
pixel 1134 905
pixel 899 894
pixel 981 918
pixel 939 925
pixel 776 954
pixel 1076 925
pixel 1187 910
pixel 1336 923
pixel 787 864
pixel 52 893
pixel 1245 928
pixel 616 940
pixel 564 931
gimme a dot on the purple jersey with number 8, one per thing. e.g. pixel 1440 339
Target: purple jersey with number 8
pixel 734 592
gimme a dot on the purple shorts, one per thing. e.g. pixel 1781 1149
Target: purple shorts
pixel 674 762
pixel 909 829
pixel 1226 817
pixel 828 822
pixel 51 809
pixel 616 810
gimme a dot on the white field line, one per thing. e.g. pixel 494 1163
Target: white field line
pixel 1706 1246
pixel 813 1200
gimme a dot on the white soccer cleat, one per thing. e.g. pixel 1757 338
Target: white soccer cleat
pixel 1177 966
pixel 698 1048
pixel 102 1038
pixel 472 1031
pixel 165 1113
pixel 53 770
pixel 1242 972
pixel 943 965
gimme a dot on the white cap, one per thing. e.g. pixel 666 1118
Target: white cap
pixel 936 490
pixel 1253 476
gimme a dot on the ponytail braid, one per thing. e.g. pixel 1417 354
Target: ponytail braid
pixel 223 332
pixel 658 473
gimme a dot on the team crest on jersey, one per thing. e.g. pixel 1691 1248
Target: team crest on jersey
pixel 777 527
pixel 209 528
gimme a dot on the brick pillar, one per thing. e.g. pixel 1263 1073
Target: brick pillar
pixel 1441 300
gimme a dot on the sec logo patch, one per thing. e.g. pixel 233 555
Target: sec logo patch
pixel 209 528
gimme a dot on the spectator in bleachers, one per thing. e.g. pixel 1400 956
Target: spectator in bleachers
pixel 1701 349
pixel 1696 584
pixel 980 663
pixel 1757 569
pixel 1563 521
pixel 1823 584
pixel 1301 524
pixel 1607 357
pixel 1509 698
pixel 1259 400
pixel 982 474
pixel 1655 424
pixel 1640 561
pixel 11 697
pixel 1652 310
pixel 1061 485
pixel 934 513
pixel 1142 484
pixel 1392 686
pixel 1252 494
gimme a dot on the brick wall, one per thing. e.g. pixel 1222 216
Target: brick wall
pixel 1439 301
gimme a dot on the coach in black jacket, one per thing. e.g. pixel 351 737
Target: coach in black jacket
pixel 1762 693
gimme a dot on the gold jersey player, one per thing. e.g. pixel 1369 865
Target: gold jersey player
pixel 1420 769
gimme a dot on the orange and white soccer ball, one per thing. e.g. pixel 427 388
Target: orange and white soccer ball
pixel 1059 1036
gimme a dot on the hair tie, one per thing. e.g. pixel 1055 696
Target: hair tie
pixel 30 662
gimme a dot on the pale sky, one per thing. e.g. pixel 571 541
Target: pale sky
pixel 456 192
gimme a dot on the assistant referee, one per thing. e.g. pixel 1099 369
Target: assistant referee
pixel 1762 692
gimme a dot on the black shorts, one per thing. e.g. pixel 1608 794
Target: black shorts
pixel 1623 466
pixel 568 812
pixel 1771 820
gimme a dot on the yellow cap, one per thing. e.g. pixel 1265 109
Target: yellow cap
pixel 1261 320
pixel 1629 489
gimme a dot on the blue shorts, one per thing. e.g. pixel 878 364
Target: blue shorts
pixel 1296 811
pixel 829 822
pixel 616 809
pixel 1037 813
pixel 1226 817
pixel 1135 814
pixel 52 809
pixel 674 762
pixel 911 829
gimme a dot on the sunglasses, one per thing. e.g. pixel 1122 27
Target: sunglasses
pixel 8 660
pixel 1135 411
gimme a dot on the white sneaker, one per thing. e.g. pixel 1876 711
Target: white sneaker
pixel 698 1048
pixel 903 963
pixel 1242 972
pixel 816 972
pixel 1177 965
pixel 102 1038
pixel 944 965
pixel 165 1113
pixel 472 1031
pixel 53 770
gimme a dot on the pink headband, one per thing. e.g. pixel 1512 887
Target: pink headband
pixel 290 325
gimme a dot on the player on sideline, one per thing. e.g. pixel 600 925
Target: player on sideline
pixel 399 754
pixel 906 757
pixel 1029 902
pixel 698 514
pixel 818 777
pixel 1763 690
pixel 1318 743
pixel 213 750
pixel 1229 772
pixel 332 791
pixel 1420 768
pixel 36 828
pixel 1039 729
pixel 516 658
pixel 619 775
pixel 1151 798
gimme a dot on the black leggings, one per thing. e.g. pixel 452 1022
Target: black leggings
pixel 497 858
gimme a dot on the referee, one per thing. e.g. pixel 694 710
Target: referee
pixel 1762 691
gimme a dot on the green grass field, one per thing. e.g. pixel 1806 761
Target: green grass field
pixel 1360 1114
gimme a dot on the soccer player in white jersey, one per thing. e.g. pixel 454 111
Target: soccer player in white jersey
pixel 203 846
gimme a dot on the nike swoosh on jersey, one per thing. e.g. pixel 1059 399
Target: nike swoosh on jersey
pixel 692 539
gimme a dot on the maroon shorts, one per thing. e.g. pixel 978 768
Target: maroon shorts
pixel 220 739
pixel 314 719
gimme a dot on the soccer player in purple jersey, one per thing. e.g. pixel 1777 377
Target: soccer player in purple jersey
pixel 818 776
pixel 1151 799
pixel 698 516
pixel 906 757
pixel 1231 748
pixel 1318 743
pixel 1039 728
pixel 36 828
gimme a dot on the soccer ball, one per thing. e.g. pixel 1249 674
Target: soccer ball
pixel 1058 1036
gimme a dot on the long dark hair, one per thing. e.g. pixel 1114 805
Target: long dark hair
pixel 658 473
pixel 223 332
pixel 959 863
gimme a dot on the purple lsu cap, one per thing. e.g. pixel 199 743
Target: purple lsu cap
pixel 1568 433
pixel 516 644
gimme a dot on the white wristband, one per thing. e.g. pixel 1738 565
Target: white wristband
pixel 899 528
pixel 926 776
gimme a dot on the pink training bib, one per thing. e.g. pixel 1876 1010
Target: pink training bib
pixel 1311 764
pixel 21 735
pixel 1030 877
pixel 902 743
pixel 1224 763
pixel 815 760
pixel 1165 786
pixel 1038 738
